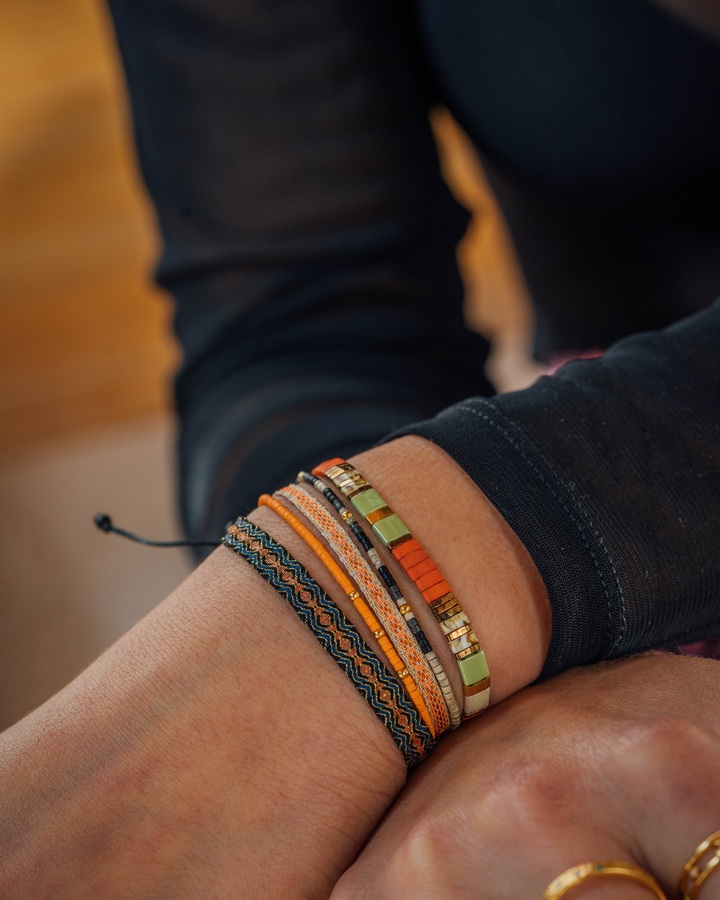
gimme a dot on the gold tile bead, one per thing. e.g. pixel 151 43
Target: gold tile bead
pixel 468 651
pixel 459 632
pixel 442 602
pixel 377 514
pixel 472 689
pixel 448 614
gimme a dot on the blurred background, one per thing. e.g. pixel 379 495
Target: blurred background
pixel 87 355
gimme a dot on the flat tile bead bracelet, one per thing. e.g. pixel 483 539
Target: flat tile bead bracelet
pixel 336 634
pixel 379 600
pixel 358 602
pixel 394 590
pixel 393 533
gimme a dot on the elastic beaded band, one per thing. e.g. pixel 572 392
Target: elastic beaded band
pixel 357 601
pixel 336 634
pixel 392 531
pixel 379 600
pixel 395 592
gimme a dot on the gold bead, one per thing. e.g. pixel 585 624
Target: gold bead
pixel 403 673
pixel 405 609
pixel 353 595
pixel 378 634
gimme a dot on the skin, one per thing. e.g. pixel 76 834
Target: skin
pixel 618 761
pixel 216 750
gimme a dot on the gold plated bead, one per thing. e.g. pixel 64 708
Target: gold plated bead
pixel 463 654
pixel 377 514
pixel 459 632
pixel 405 609
pixel 353 595
pixel 403 673
pixel 378 634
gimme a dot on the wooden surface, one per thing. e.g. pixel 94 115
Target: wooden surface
pixel 84 337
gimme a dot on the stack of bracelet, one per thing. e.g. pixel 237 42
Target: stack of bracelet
pixel 430 707
pixel 336 634
pixel 395 592
pixel 424 573
pixel 393 622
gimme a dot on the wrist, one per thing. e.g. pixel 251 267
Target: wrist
pixel 488 568
pixel 219 723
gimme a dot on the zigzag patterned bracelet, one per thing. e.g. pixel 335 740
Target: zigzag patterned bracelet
pixel 336 634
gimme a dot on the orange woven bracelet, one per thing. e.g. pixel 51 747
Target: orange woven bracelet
pixel 357 601
pixel 378 599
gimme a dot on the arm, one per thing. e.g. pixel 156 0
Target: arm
pixel 613 762
pixel 609 473
pixel 216 750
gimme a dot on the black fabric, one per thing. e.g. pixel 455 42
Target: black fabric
pixel 609 472
pixel 309 244
pixel 307 234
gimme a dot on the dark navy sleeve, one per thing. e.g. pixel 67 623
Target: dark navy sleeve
pixel 309 241
pixel 609 472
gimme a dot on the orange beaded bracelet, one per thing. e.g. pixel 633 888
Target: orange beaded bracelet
pixel 379 600
pixel 357 601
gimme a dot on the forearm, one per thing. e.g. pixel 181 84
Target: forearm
pixel 218 733
pixel 216 738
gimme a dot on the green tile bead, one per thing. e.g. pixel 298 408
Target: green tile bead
pixel 473 668
pixel 367 502
pixel 390 529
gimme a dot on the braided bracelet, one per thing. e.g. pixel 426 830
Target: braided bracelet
pixel 395 592
pixel 392 531
pixel 357 601
pixel 336 634
pixel 379 600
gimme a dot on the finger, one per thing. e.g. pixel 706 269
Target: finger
pixel 679 806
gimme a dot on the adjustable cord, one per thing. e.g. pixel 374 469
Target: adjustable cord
pixel 104 523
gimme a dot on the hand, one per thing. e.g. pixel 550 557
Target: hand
pixel 620 761
pixel 217 751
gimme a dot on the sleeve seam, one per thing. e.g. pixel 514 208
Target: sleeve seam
pixel 505 432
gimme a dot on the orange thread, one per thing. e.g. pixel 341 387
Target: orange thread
pixel 378 598
pixel 357 601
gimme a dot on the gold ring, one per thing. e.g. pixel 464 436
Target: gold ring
pixel 585 871
pixel 691 877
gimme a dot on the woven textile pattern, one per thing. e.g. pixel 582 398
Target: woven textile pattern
pixel 382 604
pixel 336 634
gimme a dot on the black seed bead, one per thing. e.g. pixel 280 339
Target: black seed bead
pixel 424 643
pixel 395 592
pixel 387 575
pixel 414 627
